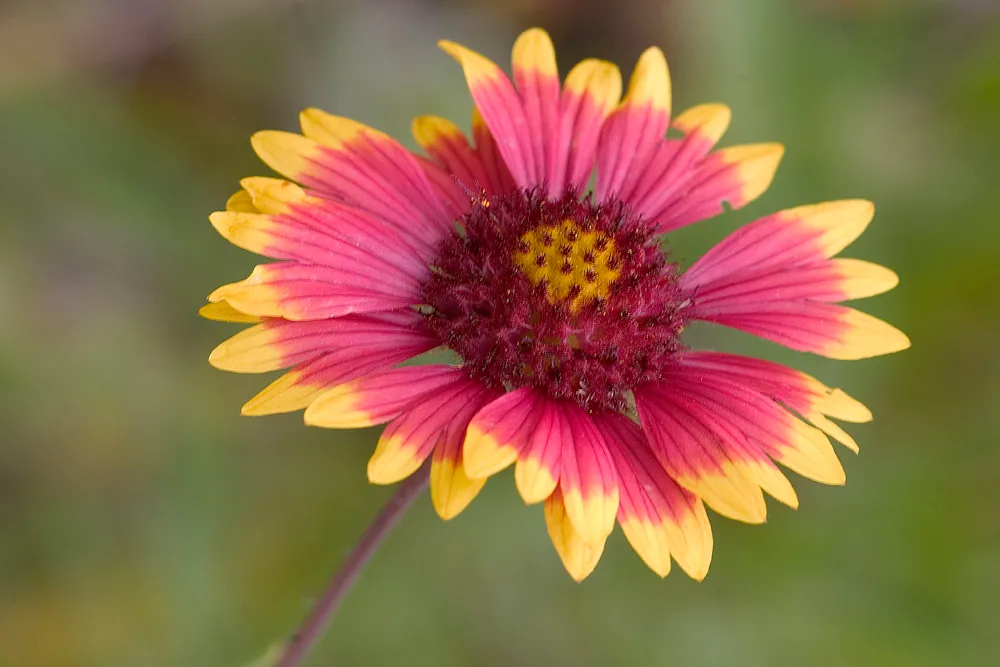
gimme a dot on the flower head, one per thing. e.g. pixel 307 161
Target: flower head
pixel 562 304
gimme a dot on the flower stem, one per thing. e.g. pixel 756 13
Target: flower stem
pixel 313 626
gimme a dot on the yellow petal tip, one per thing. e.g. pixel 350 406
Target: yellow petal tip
pixel 865 337
pixel 392 461
pixel 708 120
pixel 533 50
pixel 650 82
pixel 221 311
pixel 451 490
pixel 483 456
pixel 287 153
pixel 477 67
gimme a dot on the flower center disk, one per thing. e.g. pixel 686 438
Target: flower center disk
pixel 568 296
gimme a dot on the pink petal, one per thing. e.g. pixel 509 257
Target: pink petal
pixel 659 517
pixel 773 278
pixel 587 477
pixel 297 291
pixel 278 343
pixel 536 76
pixel 364 168
pixel 696 456
pixel 503 111
pixel 636 127
pixel 592 90
pixel 409 439
pixel 300 386
pixel 501 430
pixel 380 397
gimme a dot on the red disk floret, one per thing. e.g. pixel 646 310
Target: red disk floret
pixel 511 332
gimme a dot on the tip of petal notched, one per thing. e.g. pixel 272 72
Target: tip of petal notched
pixel 241 202
pixel 533 51
pixel 225 222
pixel 708 120
pixel 774 483
pixel 834 431
pixel 732 493
pixel 476 66
pixel 650 82
pixel 578 557
pixel 287 153
pixel 757 166
pixel 810 454
pixel 272 195
pixel 451 489
pixel 865 336
pixel 840 405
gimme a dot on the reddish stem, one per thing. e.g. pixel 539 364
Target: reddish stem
pixel 314 625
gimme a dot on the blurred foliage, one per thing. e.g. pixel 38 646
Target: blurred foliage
pixel 144 522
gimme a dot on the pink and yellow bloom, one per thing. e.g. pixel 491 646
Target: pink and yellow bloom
pixel 564 309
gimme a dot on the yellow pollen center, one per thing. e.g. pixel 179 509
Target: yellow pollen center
pixel 575 264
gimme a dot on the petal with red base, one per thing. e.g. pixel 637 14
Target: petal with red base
pixel 455 167
pixel 829 330
pixel 533 62
pixel 276 343
pixel 298 226
pixel 592 90
pixel 380 397
pixel 539 463
pixel 732 177
pixel 298 291
pixel 773 278
pixel 578 556
pixel 587 477
pixel 761 422
pixel 697 457
pixel 501 430
pixel 634 130
pixel 674 162
pixel 361 167
pixel 734 437
pixel 796 236
pixel 300 386
pixel 499 178
pixel 451 488
pixel 502 110
pixel 660 519
pixel 410 438
pixel 800 392
pixel 282 237
pixel 321 237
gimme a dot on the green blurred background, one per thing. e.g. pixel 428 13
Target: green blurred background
pixel 144 522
